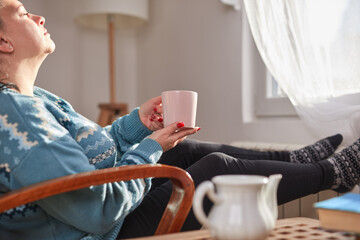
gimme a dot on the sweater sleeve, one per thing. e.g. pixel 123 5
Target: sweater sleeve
pixel 127 131
pixel 95 209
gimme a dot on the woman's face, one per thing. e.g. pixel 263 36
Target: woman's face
pixel 24 31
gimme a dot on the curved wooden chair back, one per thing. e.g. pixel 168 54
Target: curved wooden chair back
pixel 173 217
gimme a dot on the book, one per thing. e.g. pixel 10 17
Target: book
pixel 340 213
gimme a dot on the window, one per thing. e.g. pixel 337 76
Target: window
pixel 271 100
pixel 262 97
pixel 273 90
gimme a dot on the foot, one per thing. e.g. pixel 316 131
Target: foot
pixel 320 150
pixel 346 168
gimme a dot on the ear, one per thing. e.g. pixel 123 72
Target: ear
pixel 5 45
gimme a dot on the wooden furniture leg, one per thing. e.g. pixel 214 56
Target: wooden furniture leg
pixel 109 112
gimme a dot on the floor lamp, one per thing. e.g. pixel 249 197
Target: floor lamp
pixel 109 15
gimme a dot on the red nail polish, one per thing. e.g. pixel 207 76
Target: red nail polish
pixel 153 116
pixel 155 109
pixel 151 119
pixel 160 120
pixel 198 129
pixel 180 125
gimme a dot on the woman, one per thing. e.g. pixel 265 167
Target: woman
pixel 42 137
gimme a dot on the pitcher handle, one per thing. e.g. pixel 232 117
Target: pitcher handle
pixel 206 187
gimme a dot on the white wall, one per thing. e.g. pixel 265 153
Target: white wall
pixel 197 45
pixel 187 44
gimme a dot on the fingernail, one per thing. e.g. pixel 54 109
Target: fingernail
pixel 160 120
pixel 180 124
pixel 151 119
pixel 153 116
pixel 198 129
pixel 155 109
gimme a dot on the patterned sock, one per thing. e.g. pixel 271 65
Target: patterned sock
pixel 320 150
pixel 346 168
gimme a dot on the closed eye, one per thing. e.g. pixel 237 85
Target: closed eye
pixel 25 14
pixel 22 11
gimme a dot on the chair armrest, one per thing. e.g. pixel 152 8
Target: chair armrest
pixel 174 215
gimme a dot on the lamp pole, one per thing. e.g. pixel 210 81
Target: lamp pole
pixel 110 111
pixel 111 33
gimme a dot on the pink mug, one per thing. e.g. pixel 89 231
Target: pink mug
pixel 179 106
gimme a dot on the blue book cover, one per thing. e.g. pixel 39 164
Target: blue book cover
pixel 349 202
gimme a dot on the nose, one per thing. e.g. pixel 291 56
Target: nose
pixel 39 20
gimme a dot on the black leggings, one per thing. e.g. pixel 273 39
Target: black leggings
pixel 205 160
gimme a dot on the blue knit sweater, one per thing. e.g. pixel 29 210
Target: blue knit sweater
pixel 41 138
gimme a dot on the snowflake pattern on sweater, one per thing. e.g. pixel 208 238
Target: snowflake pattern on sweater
pixel 43 137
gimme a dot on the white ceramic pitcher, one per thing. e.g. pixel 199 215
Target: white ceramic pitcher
pixel 245 206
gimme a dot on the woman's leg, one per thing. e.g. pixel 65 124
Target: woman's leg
pixel 189 152
pixel 298 180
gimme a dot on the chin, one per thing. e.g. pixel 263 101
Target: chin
pixel 51 49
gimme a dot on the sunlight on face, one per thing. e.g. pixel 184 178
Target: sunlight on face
pixel 25 31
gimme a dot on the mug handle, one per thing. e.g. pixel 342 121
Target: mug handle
pixel 206 187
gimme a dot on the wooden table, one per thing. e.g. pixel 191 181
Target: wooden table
pixel 286 229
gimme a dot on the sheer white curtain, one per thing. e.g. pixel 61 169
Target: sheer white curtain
pixel 312 48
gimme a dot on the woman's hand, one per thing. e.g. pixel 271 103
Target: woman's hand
pixel 171 135
pixel 151 114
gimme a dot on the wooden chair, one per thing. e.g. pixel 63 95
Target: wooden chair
pixel 174 215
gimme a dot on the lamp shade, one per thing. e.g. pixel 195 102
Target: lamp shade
pixel 124 13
